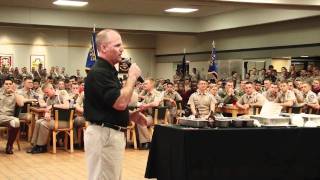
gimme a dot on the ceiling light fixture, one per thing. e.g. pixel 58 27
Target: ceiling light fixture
pixel 77 3
pixel 181 10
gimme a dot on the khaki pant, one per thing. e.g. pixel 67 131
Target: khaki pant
pixel 143 132
pixel 25 116
pixel 104 149
pixel 42 129
pixel 79 122
pixel 11 120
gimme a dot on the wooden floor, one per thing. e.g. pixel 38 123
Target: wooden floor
pixel 63 165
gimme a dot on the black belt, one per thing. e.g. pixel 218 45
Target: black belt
pixel 112 126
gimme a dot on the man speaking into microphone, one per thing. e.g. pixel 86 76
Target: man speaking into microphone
pixel 106 108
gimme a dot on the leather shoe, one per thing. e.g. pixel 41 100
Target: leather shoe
pixel 40 149
pixel 9 150
pixel 34 148
pixel 145 146
pixel 77 146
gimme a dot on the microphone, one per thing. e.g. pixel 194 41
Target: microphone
pixel 128 62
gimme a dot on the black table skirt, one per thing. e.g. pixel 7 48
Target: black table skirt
pixel 253 153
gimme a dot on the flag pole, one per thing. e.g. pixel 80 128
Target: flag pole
pixel 184 65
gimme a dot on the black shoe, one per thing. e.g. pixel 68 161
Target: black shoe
pixel 40 149
pixel 77 146
pixel 9 150
pixel 34 148
pixel 145 146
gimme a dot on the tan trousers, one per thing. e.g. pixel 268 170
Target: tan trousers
pixel 79 122
pixel 25 116
pixel 42 129
pixel 143 132
pixel 11 120
pixel 104 149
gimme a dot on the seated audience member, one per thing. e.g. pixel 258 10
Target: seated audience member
pixel 316 85
pixel 74 93
pixel 297 92
pixel 8 101
pixel 310 98
pixel 170 97
pixel 266 84
pixel 250 98
pixel 43 126
pixel 258 86
pixel 286 98
pixel 213 88
pixel 37 88
pixel 61 85
pixel 201 102
pixel 272 93
pixel 229 95
pixel 28 96
pixel 241 89
pixel 79 121
pixel 152 99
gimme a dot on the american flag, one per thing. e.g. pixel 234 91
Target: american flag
pixel 184 66
pixel 92 55
pixel 213 66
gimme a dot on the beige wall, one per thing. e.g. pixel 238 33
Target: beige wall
pixel 295 32
pixel 277 34
pixel 69 48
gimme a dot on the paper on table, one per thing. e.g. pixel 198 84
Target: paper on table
pixel 270 109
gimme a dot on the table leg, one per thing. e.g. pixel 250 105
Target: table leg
pixel 234 113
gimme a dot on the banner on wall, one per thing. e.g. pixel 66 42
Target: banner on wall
pixel 35 60
pixel 6 60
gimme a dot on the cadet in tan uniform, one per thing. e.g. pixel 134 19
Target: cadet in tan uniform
pixel 152 99
pixel 8 101
pixel 170 96
pixel 29 96
pixel 310 98
pixel 79 120
pixel 286 97
pixel 229 95
pixel 37 89
pixel 272 93
pixel 250 98
pixel 297 92
pixel 202 102
pixel 213 88
pixel 267 84
pixel 43 126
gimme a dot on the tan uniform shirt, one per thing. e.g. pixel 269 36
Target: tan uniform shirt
pixel 79 101
pixel 310 98
pixel 150 97
pixel 64 94
pixel 171 95
pixel 299 95
pixel 270 96
pixel 203 102
pixel 7 103
pixel 284 97
pixel 27 94
pixel 254 98
pixel 56 99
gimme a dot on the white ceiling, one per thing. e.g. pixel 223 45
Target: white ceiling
pixel 142 7
pixel 157 7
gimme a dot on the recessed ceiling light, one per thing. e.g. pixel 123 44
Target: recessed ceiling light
pixel 181 10
pixel 77 3
pixel 304 56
